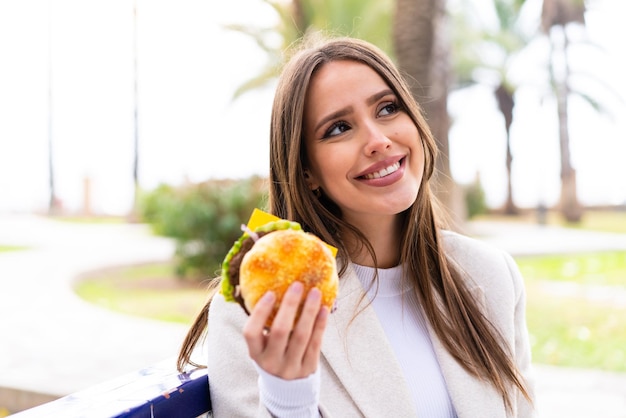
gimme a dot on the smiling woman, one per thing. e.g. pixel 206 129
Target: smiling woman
pixel 435 319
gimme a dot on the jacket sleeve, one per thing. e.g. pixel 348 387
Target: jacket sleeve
pixel 522 345
pixel 233 378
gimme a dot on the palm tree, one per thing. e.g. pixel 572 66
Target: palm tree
pixel 504 43
pixel 422 52
pixel 366 19
pixel 555 16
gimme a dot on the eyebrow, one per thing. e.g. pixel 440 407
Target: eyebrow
pixel 347 110
pixel 377 96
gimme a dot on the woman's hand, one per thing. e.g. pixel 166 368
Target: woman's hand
pixel 287 351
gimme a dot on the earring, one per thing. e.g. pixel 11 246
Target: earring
pixel 317 192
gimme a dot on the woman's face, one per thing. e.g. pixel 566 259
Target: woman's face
pixel 364 150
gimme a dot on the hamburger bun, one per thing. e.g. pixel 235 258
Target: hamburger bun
pixel 273 257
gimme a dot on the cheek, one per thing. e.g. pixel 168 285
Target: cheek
pixel 328 171
pixel 322 166
pixel 331 172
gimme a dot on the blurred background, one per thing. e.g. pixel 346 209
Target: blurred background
pixel 75 72
pixel 134 142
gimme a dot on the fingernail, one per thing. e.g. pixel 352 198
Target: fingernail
pixel 267 298
pixel 296 288
pixel 314 295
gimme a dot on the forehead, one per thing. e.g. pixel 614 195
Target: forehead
pixel 342 71
pixel 340 81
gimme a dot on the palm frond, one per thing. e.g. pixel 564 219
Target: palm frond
pixel 259 35
pixel 601 82
pixel 597 106
pixel 264 78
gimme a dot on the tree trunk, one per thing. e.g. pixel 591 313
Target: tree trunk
pixel 570 208
pixel 422 51
pixel 134 212
pixel 54 204
pixel 506 103
pixel 555 16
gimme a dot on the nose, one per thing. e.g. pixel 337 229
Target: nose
pixel 376 141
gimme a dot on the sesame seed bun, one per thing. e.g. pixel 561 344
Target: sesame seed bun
pixel 282 255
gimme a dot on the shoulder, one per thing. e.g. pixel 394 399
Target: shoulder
pixel 487 266
pixel 468 250
pixel 221 311
pixel 471 251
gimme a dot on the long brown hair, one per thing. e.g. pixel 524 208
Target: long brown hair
pixel 449 307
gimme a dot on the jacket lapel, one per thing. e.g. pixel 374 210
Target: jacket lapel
pixel 356 349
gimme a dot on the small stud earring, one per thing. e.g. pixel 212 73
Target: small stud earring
pixel 317 192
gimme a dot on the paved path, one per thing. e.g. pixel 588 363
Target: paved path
pixel 572 393
pixel 532 239
pixel 53 342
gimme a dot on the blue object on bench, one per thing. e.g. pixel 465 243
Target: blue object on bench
pixel 158 391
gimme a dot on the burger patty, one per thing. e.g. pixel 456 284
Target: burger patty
pixel 235 263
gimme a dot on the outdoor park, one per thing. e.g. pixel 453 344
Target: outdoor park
pixel 576 302
pixel 554 199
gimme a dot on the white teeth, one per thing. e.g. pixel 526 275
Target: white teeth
pixel 384 172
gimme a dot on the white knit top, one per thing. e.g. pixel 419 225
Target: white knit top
pixel 398 310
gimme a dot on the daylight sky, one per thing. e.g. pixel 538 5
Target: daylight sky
pixel 191 130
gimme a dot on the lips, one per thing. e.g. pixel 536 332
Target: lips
pixel 382 169
pixel 384 172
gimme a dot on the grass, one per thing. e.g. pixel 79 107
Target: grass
pixel 7 248
pixel 569 329
pixel 576 332
pixel 572 330
pixel 564 330
pixel 150 291
pixel 605 268
pixel 91 219
pixel 597 220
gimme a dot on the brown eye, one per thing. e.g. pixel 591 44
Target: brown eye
pixel 388 109
pixel 336 128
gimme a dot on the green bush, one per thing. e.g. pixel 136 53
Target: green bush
pixel 204 219
pixel 475 199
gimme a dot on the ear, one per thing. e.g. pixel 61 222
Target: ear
pixel 310 180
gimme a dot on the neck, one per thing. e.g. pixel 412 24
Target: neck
pixel 384 234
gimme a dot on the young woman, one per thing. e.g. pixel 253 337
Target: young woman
pixel 428 323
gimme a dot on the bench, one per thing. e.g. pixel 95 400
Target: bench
pixel 157 391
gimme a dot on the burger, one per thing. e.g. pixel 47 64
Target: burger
pixel 271 258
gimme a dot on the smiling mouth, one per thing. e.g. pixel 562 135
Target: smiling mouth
pixel 382 173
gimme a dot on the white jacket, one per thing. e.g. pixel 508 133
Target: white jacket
pixel 359 372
